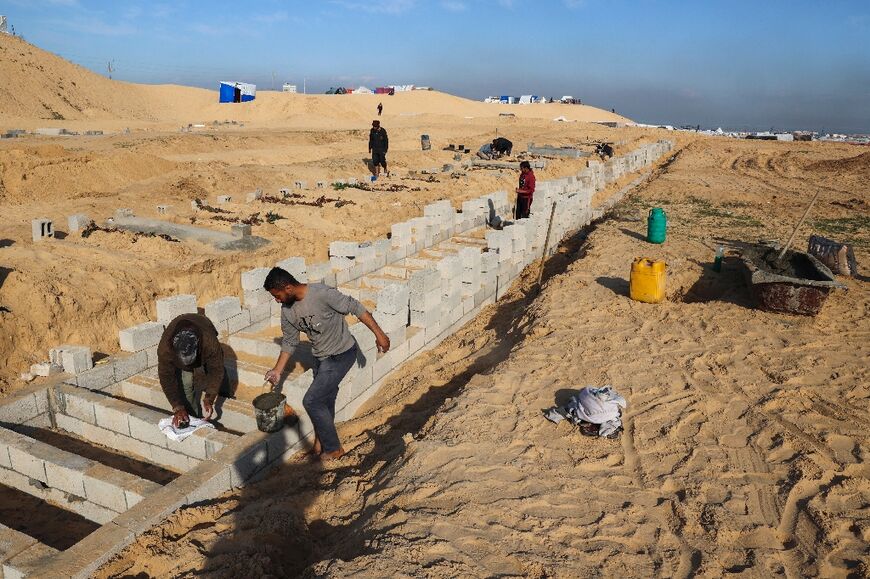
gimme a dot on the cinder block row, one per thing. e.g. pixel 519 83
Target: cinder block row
pixel 222 309
pixel 69 473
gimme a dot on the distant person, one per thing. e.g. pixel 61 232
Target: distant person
pixel 380 108
pixel 190 343
pixel 319 310
pixel 379 144
pixel 526 190
pixel 502 147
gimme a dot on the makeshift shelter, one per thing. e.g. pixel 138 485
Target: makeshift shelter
pixel 363 90
pixel 237 92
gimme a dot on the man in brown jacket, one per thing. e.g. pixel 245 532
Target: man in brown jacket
pixel 189 342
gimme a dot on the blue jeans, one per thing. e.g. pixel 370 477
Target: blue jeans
pixel 319 401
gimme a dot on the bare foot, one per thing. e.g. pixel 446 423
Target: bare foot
pixel 334 455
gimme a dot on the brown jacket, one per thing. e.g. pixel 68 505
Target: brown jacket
pixel 210 358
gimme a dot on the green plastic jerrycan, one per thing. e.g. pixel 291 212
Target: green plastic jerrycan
pixel 656 225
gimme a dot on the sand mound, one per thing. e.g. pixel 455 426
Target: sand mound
pixel 37 171
pixel 860 163
pixel 49 87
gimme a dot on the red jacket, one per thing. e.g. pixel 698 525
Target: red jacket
pixel 527 184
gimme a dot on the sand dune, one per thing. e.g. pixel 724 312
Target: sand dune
pixel 49 88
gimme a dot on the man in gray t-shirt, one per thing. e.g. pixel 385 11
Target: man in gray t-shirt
pixel 319 310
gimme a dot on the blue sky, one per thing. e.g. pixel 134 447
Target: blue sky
pixel 737 64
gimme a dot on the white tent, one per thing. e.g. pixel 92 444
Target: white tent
pixel 363 90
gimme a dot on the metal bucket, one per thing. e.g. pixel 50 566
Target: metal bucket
pixel 269 411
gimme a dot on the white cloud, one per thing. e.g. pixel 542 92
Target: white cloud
pixel 454 5
pixel 378 7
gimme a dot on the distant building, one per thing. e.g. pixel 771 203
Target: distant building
pixel 286 87
pixel 237 92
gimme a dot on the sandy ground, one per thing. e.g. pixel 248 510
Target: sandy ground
pixel 75 290
pixel 746 432
pixel 745 438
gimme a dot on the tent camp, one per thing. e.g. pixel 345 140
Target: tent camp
pixel 237 92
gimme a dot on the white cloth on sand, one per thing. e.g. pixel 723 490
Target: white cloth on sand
pixel 601 406
pixel 179 434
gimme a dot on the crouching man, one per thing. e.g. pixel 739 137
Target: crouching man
pixel 190 342
pixel 319 310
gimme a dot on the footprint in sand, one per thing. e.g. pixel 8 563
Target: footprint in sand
pixel 843 447
pixel 738 439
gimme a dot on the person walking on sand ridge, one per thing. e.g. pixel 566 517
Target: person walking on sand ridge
pixel 379 144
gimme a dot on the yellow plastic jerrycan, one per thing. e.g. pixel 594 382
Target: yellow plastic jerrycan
pixel 647 280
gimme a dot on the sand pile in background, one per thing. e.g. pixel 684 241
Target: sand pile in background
pixel 49 88
pixel 84 290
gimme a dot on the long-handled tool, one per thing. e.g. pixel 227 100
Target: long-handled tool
pixel 801 222
pixel 546 246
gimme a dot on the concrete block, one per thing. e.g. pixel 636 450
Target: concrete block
pixel 260 312
pixel 296 267
pixel 223 308
pixel 163 209
pixel 339 263
pixel 129 365
pixel 141 337
pixel 73 359
pixel 112 415
pixel 123 212
pixel 257 297
pixel 222 199
pixel 152 357
pixel 253 279
pixel 301 184
pixel 173 306
pixel 393 299
pixel 99 489
pixel 389 322
pixel 427 319
pixel 365 339
pixel 97 378
pixel 343 249
pixel 66 472
pixel 77 222
pixel 172 460
pixel 254 195
pixel 416 340
pixel 423 281
pixel 25 463
pixel 383 365
pixel 28 562
pixel 45 369
pixel 239 322
pixel 211 479
pixel 240 230
pixel 41 229
pixel 427 301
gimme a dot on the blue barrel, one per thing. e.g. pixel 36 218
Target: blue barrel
pixel 656 225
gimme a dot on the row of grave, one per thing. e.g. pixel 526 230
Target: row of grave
pixel 433 275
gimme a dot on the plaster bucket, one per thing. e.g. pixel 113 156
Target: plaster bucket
pixel 269 411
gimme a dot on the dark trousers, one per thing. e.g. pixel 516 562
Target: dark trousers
pixel 319 401
pixel 524 205
pixel 192 393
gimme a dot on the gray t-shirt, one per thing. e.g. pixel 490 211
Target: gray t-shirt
pixel 321 316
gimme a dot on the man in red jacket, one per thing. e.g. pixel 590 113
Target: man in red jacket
pixel 526 190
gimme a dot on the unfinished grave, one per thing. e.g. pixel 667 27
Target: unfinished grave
pixel 86 441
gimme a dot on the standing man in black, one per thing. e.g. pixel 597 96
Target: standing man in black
pixel 379 143
pixel 380 108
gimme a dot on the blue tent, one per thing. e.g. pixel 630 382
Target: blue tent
pixel 237 92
